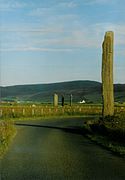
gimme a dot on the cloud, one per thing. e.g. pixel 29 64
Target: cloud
pixel 70 4
pixel 6 5
pixel 41 38
pixel 55 8
pixel 90 37
pixel 34 49
pixel 119 31
pixel 100 2
pixel 59 38
pixel 32 30
pixel 40 11
pixel 69 41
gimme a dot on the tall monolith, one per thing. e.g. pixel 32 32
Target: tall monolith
pixel 55 101
pixel 107 75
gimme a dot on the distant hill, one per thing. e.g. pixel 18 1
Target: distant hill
pixel 90 91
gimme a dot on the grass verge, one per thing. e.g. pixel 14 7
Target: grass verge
pixel 7 132
pixel 115 147
pixel 49 117
pixel 110 135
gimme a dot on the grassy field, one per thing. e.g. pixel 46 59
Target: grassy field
pixel 17 111
pixel 47 110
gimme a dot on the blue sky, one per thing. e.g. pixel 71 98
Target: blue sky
pixel 45 41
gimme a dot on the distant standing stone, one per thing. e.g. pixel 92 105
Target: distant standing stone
pixel 71 97
pixel 55 99
pixel 107 74
pixel 62 100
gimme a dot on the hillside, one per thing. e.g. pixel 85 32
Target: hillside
pixel 87 90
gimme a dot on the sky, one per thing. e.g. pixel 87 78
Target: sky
pixel 47 41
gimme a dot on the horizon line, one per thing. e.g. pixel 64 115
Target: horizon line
pixel 58 82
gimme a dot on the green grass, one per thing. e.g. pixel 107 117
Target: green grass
pixel 115 147
pixel 7 132
pixel 110 133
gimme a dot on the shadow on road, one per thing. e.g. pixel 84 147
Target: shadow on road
pixel 70 129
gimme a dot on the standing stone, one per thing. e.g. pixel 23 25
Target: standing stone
pixel 107 75
pixel 71 97
pixel 55 100
pixel 62 100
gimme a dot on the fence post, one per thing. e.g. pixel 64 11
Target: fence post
pixel 33 112
pixel 23 112
pixel 13 112
pixel 1 113
pixel 41 111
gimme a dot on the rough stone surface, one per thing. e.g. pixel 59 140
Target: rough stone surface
pixel 55 100
pixel 107 74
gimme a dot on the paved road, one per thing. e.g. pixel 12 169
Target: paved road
pixel 39 152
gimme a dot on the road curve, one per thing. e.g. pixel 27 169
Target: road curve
pixel 44 150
